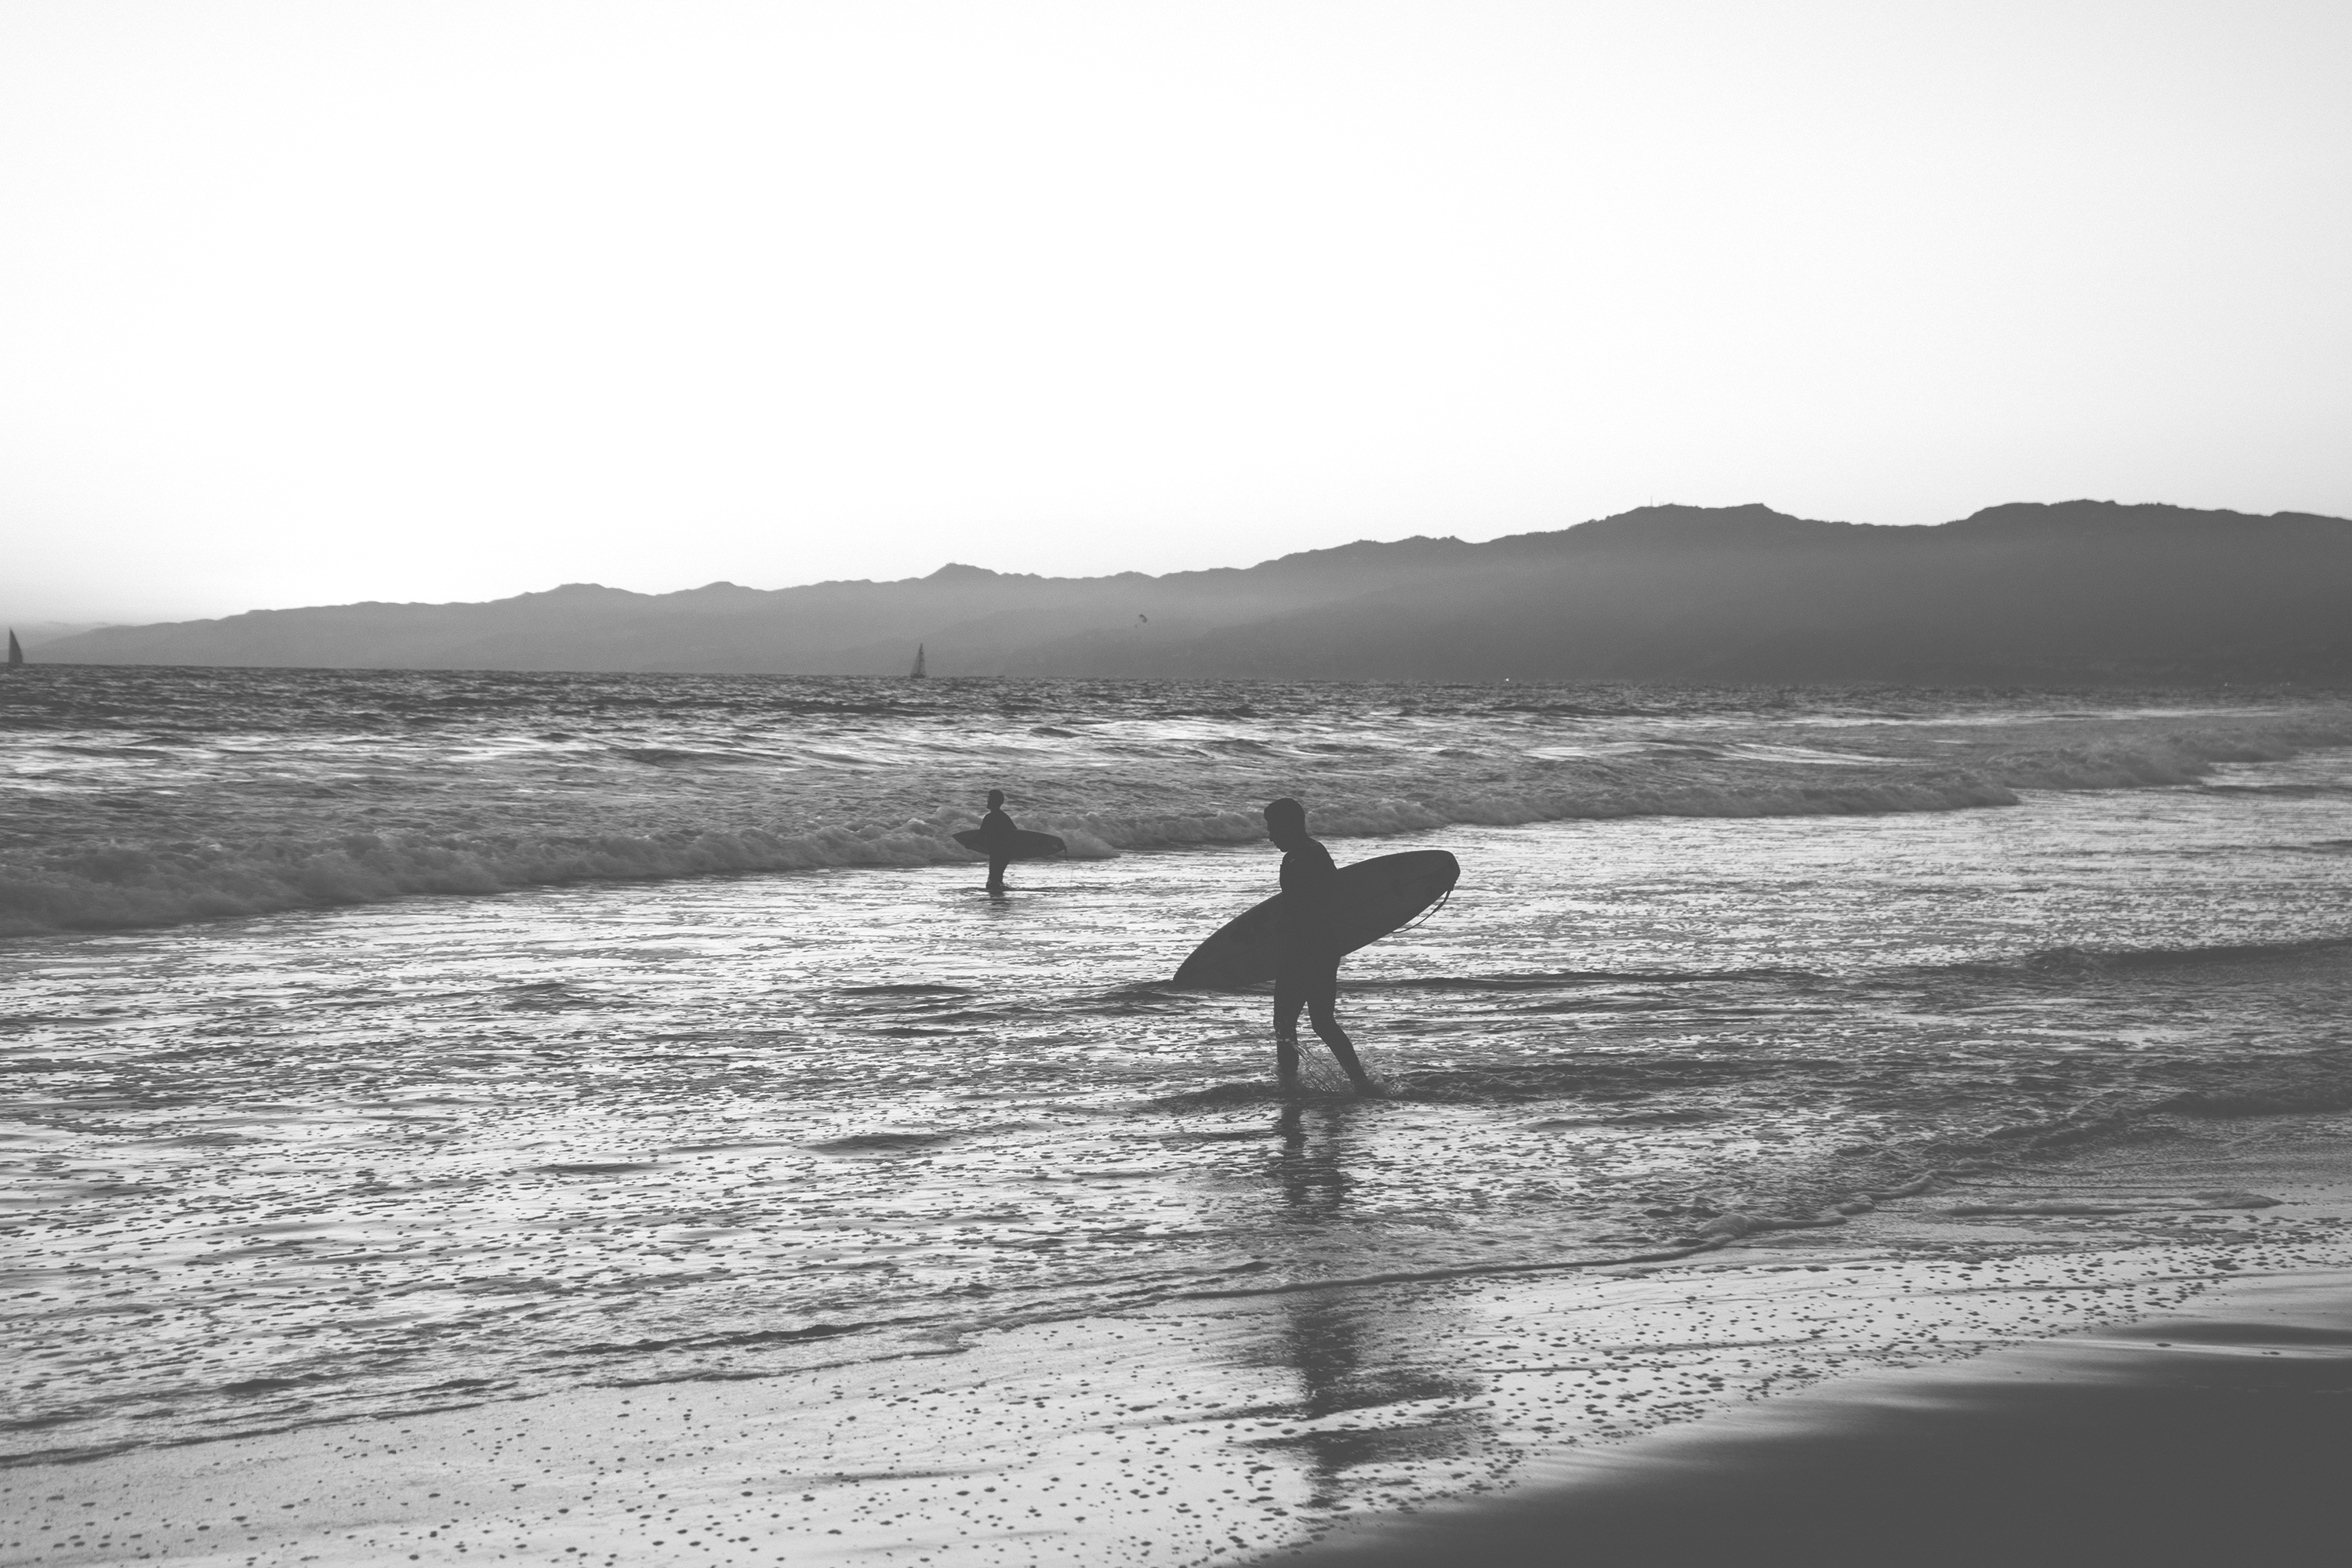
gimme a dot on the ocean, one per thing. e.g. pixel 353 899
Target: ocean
pixel 384 1043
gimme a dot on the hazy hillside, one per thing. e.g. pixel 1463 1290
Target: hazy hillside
pixel 2083 590
pixel 33 634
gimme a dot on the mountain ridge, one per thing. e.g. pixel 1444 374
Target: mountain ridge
pixel 2022 591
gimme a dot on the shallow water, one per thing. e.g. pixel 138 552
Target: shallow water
pixel 318 1164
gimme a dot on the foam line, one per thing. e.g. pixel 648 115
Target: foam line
pixel 119 884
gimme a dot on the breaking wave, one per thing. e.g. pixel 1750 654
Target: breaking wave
pixel 118 885
pixel 300 790
pixel 122 886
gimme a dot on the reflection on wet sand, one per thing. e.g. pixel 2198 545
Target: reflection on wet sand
pixel 1351 1350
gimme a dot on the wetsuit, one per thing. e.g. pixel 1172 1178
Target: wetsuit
pixel 996 831
pixel 1307 975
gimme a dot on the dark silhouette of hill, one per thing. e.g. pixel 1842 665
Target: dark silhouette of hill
pixel 2081 591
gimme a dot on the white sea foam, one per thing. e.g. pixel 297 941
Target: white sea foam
pixel 153 797
pixel 121 885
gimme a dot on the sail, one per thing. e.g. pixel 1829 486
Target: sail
pixel 918 662
pixel 15 651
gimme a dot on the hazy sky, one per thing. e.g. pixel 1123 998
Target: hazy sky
pixel 323 300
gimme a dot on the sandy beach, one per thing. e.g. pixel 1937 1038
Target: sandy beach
pixel 2106 1358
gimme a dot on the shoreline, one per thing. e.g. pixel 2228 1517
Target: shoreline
pixel 1379 1423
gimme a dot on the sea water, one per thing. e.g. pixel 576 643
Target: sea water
pixel 380 1042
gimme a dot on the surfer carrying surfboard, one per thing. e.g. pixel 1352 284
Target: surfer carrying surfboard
pixel 1306 973
pixel 997 838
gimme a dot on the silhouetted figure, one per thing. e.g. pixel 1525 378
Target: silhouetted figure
pixel 998 830
pixel 997 838
pixel 1308 974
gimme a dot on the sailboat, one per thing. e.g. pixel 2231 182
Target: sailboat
pixel 916 674
pixel 17 649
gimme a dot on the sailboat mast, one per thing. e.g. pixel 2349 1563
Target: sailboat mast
pixel 15 649
pixel 917 673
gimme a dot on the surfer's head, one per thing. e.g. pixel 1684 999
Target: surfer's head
pixel 1286 821
pixel 995 798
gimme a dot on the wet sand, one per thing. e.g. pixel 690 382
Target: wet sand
pixel 2083 1362
pixel 2213 1436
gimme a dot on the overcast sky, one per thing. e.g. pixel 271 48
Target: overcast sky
pixel 317 301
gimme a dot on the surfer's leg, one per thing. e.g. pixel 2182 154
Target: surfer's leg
pixel 1322 1012
pixel 996 864
pixel 1289 996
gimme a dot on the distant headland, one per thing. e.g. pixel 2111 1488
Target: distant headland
pixel 2077 591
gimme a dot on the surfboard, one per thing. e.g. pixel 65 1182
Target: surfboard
pixel 1023 844
pixel 1374 897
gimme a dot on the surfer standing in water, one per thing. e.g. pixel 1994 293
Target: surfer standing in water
pixel 1307 975
pixel 997 829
